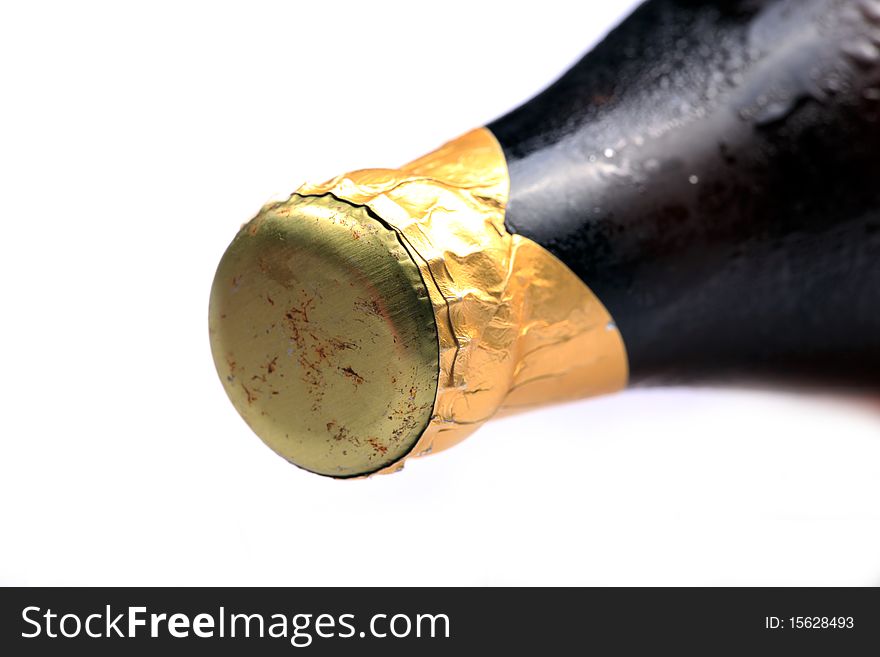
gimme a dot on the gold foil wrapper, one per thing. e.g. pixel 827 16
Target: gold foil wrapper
pixel 516 327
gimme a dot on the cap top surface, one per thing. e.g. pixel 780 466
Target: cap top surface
pixel 324 336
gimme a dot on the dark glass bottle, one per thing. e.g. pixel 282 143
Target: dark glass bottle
pixel 712 172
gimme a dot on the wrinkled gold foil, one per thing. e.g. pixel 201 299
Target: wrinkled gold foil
pixel 516 327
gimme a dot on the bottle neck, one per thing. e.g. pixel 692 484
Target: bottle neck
pixel 711 172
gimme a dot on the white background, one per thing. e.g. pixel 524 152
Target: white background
pixel 136 138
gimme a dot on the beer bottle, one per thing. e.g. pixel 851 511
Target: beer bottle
pixel 697 199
